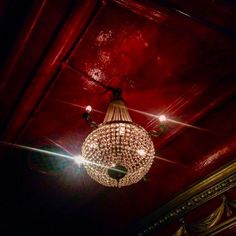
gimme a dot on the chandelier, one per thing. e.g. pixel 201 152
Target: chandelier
pixel 118 152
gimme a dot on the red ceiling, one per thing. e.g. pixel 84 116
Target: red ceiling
pixel 165 62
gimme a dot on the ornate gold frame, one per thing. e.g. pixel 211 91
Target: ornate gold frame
pixel 210 187
pixel 221 227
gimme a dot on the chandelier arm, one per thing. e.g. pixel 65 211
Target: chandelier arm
pixel 89 121
pixel 158 132
pixel 155 133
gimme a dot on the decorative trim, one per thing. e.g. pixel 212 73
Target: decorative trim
pixel 212 186
pixel 231 223
pixel 208 224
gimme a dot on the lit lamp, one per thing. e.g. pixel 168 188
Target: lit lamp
pixel 118 152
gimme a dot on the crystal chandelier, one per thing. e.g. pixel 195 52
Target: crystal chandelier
pixel 118 152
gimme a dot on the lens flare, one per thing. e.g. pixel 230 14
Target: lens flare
pixel 78 159
pixel 187 125
pixel 169 161
pixel 60 146
pixel 36 150
pixel 162 118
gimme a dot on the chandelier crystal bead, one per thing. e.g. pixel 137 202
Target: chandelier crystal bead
pixel 118 152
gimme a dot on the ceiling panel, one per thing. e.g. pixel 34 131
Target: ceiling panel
pixel 165 63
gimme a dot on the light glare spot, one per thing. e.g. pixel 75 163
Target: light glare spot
pixel 88 108
pixel 122 130
pixel 141 152
pixel 96 74
pixel 103 37
pixel 78 159
pixel 162 118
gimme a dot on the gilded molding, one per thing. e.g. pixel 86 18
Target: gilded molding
pixel 228 224
pixel 214 185
pixel 210 224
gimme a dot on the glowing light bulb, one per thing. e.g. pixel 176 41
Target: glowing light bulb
pixel 141 152
pixel 88 108
pixel 162 118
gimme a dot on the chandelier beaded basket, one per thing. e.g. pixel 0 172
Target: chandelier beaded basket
pixel 118 152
